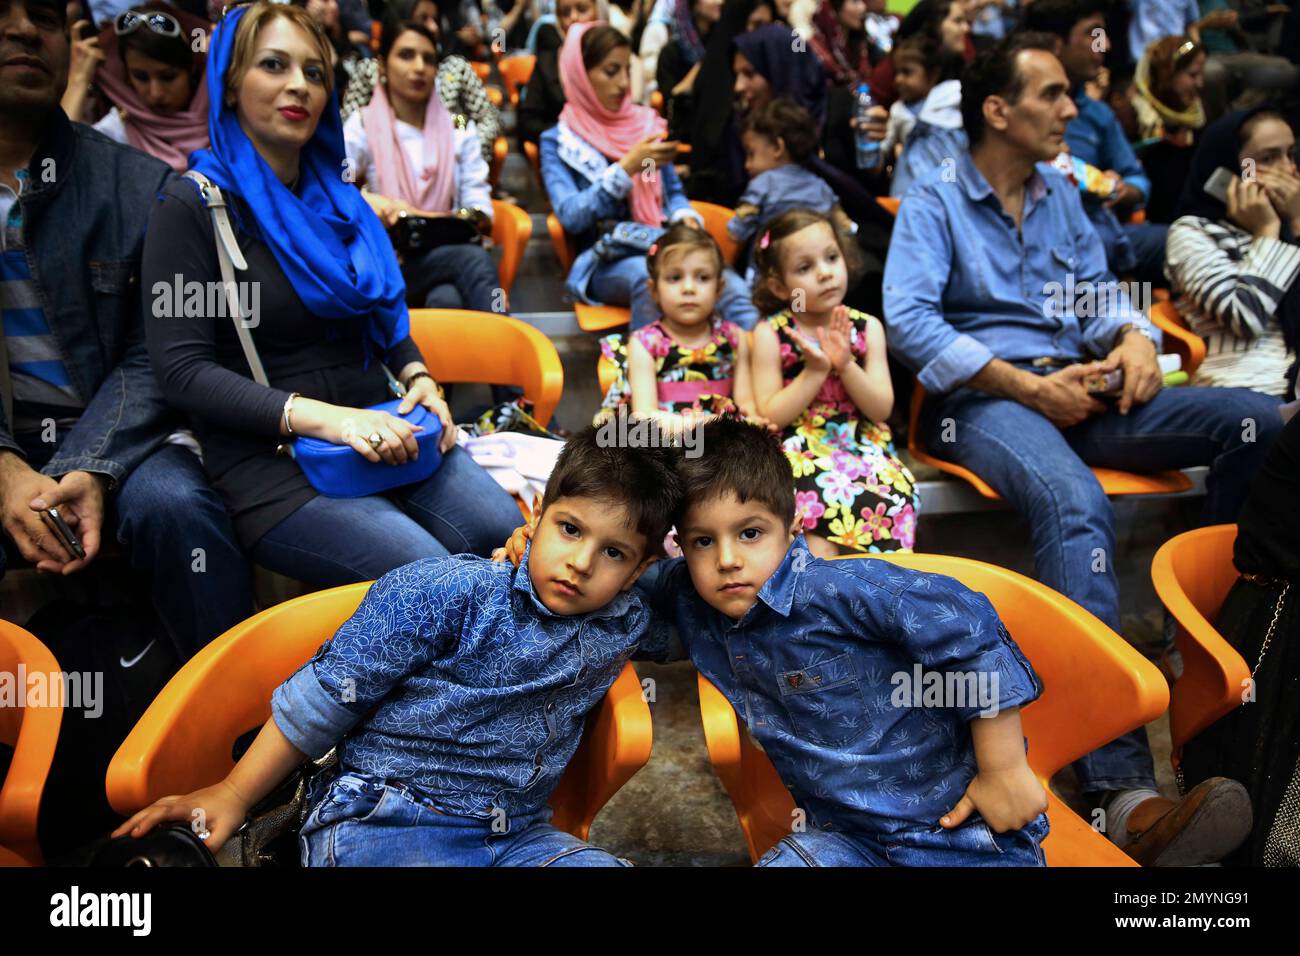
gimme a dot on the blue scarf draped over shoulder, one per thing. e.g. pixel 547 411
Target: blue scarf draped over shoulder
pixel 328 242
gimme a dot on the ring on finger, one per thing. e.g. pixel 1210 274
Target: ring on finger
pixel 375 440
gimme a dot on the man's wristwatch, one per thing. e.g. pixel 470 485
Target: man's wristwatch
pixel 1132 327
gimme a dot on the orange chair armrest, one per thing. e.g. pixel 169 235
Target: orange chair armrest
pixel 1178 337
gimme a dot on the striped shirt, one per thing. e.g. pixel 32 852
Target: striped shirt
pixel 1227 286
pixel 42 388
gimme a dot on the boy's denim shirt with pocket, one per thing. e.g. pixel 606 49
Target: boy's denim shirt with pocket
pixel 822 667
pixel 453 677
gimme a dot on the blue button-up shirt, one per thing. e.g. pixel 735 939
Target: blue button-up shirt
pixel 453 676
pixel 1096 137
pixel 822 668
pixel 962 286
pixel 1150 20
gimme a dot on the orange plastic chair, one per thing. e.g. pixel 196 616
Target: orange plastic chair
pixel 1113 482
pixel 500 149
pixel 1095 688
pixel 534 158
pixel 889 203
pixel 515 72
pixel 484 70
pixel 1179 339
pixel 490 348
pixel 715 224
pixel 1192 574
pixel 657 103
pixel 33 733
pixel 184 739
pixel 495 96
pixel 512 227
pixel 591 318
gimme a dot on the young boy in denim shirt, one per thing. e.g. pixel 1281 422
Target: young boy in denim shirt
pixel 821 659
pixel 457 692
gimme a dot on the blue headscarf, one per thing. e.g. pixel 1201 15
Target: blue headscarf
pixel 327 240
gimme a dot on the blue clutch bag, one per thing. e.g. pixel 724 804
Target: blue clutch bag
pixel 337 471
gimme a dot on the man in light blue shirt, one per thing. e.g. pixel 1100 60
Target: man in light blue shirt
pixel 996 293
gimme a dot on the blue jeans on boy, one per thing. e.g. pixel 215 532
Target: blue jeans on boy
pixel 173 527
pixel 625 282
pixel 1044 474
pixel 361 820
pixel 972 844
pixel 332 541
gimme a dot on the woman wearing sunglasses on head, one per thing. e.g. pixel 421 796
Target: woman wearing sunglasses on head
pixel 328 324
pixel 153 77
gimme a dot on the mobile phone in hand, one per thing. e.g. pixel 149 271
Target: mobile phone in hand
pixel 66 536
pixel 1109 385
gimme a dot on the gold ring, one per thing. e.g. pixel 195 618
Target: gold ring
pixel 375 440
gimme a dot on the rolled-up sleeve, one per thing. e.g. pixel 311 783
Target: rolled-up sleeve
pixel 948 627
pixel 916 272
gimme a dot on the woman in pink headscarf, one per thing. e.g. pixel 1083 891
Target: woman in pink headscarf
pixel 153 75
pixel 409 155
pixel 606 164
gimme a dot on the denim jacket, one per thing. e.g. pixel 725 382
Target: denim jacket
pixel 823 669
pixel 587 188
pixel 84 217
pixel 454 678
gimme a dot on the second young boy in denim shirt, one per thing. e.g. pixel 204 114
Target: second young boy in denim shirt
pixel 458 691
pixel 829 663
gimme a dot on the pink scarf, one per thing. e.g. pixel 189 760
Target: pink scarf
pixel 613 133
pixel 435 188
pixel 169 138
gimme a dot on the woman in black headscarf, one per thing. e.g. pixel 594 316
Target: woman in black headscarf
pixel 1235 265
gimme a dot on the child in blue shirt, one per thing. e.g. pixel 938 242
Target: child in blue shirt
pixel 457 692
pixel 832 665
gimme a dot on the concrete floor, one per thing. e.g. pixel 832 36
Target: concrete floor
pixel 675 812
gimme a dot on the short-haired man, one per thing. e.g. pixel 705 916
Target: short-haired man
pixel 83 426
pixel 997 295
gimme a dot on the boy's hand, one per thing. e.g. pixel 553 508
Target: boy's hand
pixel 1006 799
pixel 516 546
pixel 218 811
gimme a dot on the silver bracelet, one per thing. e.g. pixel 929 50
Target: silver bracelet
pixel 288 411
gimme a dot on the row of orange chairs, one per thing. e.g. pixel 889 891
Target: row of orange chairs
pixel 1096 687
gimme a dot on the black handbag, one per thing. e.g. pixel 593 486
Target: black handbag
pixel 416 235
pixel 173 844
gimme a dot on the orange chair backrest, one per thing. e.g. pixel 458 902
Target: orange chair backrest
pixel 512 227
pixel 889 203
pixel 1192 574
pixel 1178 338
pixel 515 74
pixel 534 158
pixel 484 70
pixel 564 250
pixel 715 224
pixel 460 345
pixel 33 732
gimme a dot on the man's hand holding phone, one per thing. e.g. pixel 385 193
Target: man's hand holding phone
pixel 78 502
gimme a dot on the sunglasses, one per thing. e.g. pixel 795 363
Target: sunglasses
pixel 163 24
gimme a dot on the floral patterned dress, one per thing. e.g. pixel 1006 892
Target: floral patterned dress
pixel 698 380
pixel 850 486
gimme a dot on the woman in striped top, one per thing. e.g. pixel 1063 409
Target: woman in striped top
pixel 1234 262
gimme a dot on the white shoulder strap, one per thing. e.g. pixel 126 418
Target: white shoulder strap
pixel 231 258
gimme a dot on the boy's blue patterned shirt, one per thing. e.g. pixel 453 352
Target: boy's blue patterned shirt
pixel 811 669
pixel 453 676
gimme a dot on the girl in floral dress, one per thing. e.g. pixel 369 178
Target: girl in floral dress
pixel 690 364
pixel 821 374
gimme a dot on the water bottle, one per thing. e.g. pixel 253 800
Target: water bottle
pixel 868 149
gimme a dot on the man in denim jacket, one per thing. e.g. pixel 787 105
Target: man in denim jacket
pixel 83 425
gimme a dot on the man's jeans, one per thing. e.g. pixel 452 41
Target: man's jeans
pixel 458 276
pixel 361 820
pixel 173 527
pixel 626 283
pixel 972 844
pixel 332 541
pixel 1044 474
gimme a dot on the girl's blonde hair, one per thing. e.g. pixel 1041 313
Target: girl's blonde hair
pixel 251 24
pixel 684 238
pixel 767 254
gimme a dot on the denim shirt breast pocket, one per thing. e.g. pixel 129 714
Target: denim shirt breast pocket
pixel 1062 289
pixel 113 282
pixel 824 701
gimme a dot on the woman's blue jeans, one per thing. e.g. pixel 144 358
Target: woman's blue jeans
pixel 332 541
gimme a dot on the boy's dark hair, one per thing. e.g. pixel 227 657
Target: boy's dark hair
pixel 1058 17
pixel 743 459
pixel 993 72
pixel 783 118
pixel 683 236
pixel 767 254
pixel 643 481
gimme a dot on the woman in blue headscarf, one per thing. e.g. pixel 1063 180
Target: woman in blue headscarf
pixel 328 312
